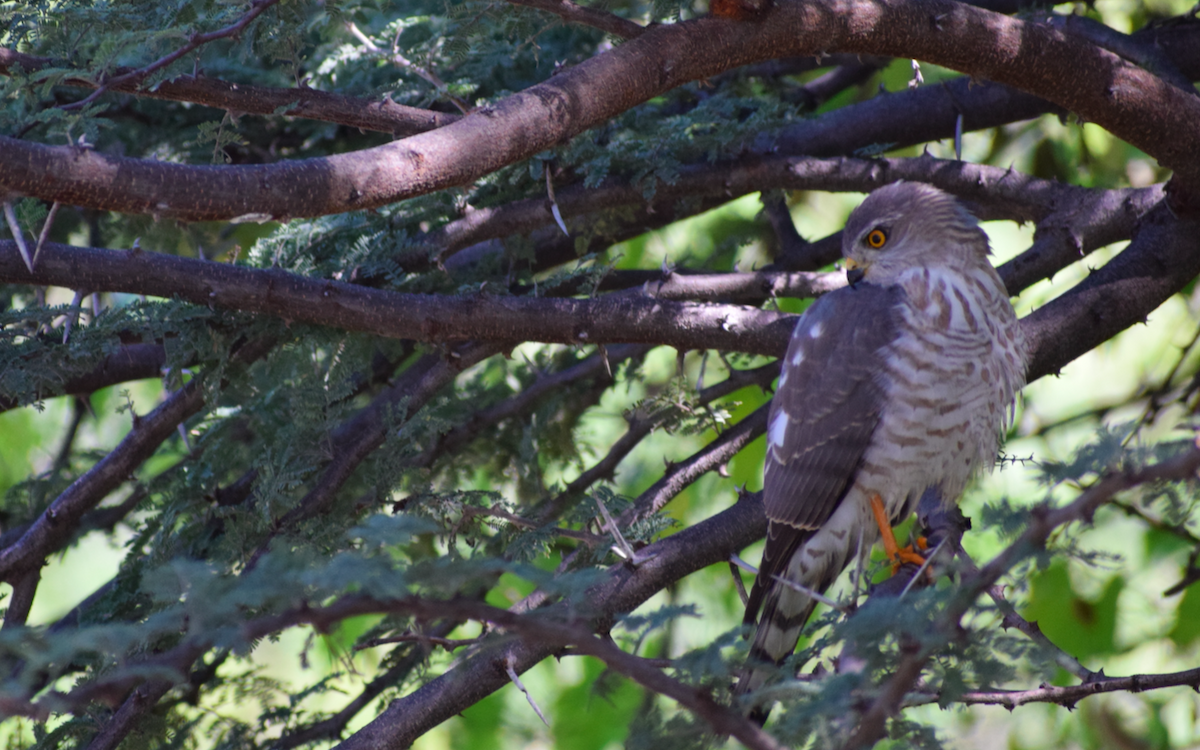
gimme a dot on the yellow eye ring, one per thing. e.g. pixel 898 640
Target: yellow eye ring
pixel 877 238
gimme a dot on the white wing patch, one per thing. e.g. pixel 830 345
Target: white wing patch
pixel 778 429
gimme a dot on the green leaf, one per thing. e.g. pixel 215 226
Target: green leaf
pixel 1187 618
pixel 1079 626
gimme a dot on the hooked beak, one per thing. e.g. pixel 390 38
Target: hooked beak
pixel 854 271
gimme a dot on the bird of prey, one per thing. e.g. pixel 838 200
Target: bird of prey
pixel 901 382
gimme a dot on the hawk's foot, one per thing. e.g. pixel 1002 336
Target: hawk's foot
pixel 899 556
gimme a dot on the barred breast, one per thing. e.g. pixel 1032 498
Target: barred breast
pixel 952 376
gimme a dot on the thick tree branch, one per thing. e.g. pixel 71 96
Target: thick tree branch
pixel 1160 261
pixel 1130 102
pixel 407 316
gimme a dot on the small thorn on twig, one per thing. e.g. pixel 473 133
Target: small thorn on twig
pixel 737 580
pixel 45 233
pixel 739 562
pixel 924 567
pixel 187 444
pixel 604 358
pixel 958 128
pixel 72 314
pixel 512 675
pixel 15 228
pixel 622 547
pixel 553 202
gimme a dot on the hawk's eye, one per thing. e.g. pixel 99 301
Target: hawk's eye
pixel 877 238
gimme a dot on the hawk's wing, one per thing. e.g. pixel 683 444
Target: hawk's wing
pixel 822 417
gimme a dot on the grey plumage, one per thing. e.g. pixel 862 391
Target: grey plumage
pixel 898 384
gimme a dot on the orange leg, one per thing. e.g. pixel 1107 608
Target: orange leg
pixel 892 550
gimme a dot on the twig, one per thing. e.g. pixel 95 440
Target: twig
pixel 195 41
pixel 383 115
pixel 45 233
pixel 622 547
pixel 403 62
pixel 358 437
pixel 56 524
pixel 21 599
pixel 333 726
pixel 1068 695
pixel 569 12
pixel 1011 619
pixel 736 562
pixel 708 458
pixel 582 536
pixel 447 643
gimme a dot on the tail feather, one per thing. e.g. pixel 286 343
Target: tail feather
pixel 814 562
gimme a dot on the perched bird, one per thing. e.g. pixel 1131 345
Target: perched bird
pixel 903 381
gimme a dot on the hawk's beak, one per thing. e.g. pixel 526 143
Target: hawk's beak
pixel 854 271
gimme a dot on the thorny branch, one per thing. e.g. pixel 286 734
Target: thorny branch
pixel 1068 695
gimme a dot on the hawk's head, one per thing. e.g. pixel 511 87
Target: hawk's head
pixel 909 224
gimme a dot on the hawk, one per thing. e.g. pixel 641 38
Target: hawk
pixel 903 381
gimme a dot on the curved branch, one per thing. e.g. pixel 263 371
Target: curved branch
pixel 1128 101
pixel 1163 257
